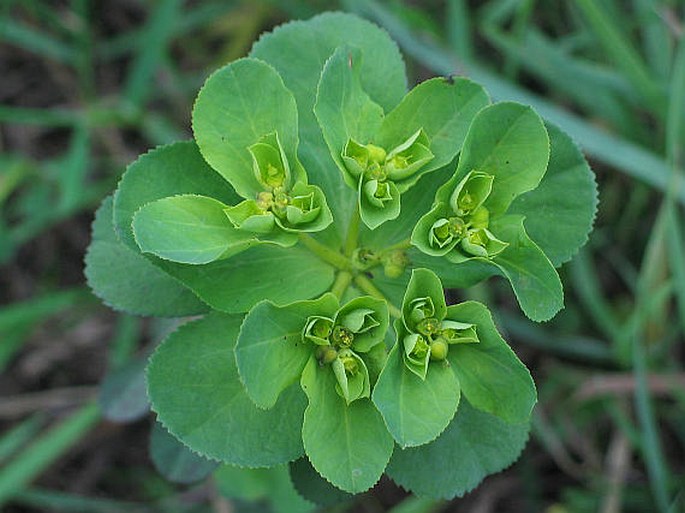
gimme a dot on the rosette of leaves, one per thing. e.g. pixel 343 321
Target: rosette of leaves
pixel 334 352
pixel 260 163
pixel 209 227
pixel 383 155
pixel 505 154
pixel 441 352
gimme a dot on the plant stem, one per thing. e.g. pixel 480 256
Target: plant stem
pixel 405 244
pixel 342 281
pixel 353 233
pixel 324 252
pixel 367 286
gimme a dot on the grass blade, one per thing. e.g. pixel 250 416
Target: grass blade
pixel 35 41
pixel 74 169
pixel 622 53
pixel 49 500
pixel 45 450
pixel 43 117
pixel 15 438
pixel 158 31
pixel 458 29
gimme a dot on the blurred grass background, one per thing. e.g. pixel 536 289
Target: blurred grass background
pixel 86 86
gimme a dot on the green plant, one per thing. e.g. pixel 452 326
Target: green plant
pixel 318 200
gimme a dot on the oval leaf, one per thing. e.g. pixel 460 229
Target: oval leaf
pixel 348 445
pixel 491 376
pixel 281 275
pixel 508 141
pixel 202 402
pixel 188 229
pixel 416 411
pixel 444 108
pixel 474 445
pixel 560 211
pixel 343 109
pixel 270 352
pixel 532 276
pixel 174 460
pixel 127 281
pixel 238 105
pixel 169 170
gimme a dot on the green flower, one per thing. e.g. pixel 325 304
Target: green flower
pixel 283 206
pixel 355 329
pixel 425 330
pixel 458 228
pixel 381 175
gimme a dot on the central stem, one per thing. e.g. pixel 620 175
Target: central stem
pixel 342 281
pixel 352 232
pixel 324 252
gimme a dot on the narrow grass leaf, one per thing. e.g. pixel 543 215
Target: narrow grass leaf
pixel 45 450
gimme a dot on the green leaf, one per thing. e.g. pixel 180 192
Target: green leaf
pixel 474 445
pixel 310 485
pixel 189 229
pixel 444 109
pixel 509 141
pixel 194 387
pixel 122 395
pixel 249 484
pixel 271 352
pixel 175 461
pixel 532 276
pixel 460 276
pixel 416 411
pixel 281 275
pixel 492 378
pixel 343 109
pixel 238 105
pixel 271 484
pixel 313 42
pixel 560 211
pixel 165 171
pixel 348 445
pixel 127 281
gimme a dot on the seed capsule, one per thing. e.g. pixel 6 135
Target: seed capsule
pixel 439 349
